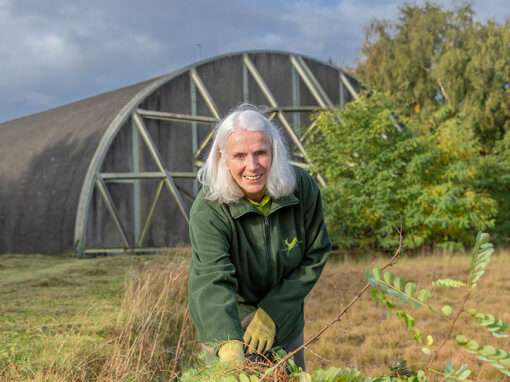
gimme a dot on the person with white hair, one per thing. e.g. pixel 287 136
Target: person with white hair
pixel 259 241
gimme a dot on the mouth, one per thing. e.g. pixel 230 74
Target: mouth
pixel 254 177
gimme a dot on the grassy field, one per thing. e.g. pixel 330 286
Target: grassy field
pixel 123 318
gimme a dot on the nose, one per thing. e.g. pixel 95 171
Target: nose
pixel 253 163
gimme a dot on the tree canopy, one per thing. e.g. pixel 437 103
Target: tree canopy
pixel 446 174
pixel 432 57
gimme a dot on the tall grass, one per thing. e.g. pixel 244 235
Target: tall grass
pixel 154 336
pixel 151 338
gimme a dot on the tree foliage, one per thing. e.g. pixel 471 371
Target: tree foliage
pixel 448 77
pixel 432 57
pixel 379 172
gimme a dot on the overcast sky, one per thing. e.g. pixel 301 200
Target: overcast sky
pixel 53 52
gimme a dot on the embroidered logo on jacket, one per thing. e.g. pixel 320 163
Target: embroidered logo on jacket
pixel 291 245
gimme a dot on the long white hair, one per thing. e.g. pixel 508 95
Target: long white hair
pixel 221 186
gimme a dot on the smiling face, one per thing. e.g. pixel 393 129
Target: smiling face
pixel 248 157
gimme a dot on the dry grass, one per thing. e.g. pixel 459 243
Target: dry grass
pixel 368 338
pixel 141 331
pixel 150 338
pixel 155 336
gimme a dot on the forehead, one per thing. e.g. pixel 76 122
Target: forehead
pixel 243 140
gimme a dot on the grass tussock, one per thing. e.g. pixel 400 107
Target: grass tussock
pixel 155 336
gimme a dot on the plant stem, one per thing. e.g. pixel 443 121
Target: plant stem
pixel 450 328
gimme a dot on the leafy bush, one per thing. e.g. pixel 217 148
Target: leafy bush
pixel 379 172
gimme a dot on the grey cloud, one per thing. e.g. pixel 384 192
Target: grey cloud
pixel 58 51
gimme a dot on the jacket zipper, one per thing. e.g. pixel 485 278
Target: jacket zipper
pixel 268 252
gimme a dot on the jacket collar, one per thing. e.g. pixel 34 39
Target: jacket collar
pixel 243 206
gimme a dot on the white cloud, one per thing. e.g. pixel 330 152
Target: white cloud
pixel 51 51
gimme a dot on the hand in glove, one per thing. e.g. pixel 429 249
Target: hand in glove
pixel 231 352
pixel 259 334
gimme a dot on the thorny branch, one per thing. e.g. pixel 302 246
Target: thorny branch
pixel 365 286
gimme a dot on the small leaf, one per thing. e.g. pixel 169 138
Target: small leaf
pixel 425 350
pixel 446 310
pixel 430 340
pixel 472 345
pixel 406 318
pixel 399 283
pixel 423 295
pixel 370 277
pixel 377 273
pixel 464 374
pixel 377 296
pixel 449 283
pixel 418 335
pixel 462 368
pixel 388 277
pixel 269 371
pixel 487 350
pixel 403 298
pixel 410 288
pixel 461 340
pixel 500 354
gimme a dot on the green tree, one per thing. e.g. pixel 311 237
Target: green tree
pixel 379 172
pixel 494 176
pixel 432 57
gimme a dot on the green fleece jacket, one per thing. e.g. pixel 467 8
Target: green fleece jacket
pixel 242 260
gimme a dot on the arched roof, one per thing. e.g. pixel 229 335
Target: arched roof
pixel 94 173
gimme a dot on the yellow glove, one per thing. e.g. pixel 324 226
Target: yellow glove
pixel 231 352
pixel 259 334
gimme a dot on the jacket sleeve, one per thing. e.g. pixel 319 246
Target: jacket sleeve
pixel 212 287
pixel 292 290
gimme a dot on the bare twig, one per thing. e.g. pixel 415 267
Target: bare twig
pixel 365 286
pixel 317 355
pixel 449 331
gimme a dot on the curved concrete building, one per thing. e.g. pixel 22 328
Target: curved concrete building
pixel 116 172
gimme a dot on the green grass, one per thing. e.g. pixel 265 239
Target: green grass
pixel 55 311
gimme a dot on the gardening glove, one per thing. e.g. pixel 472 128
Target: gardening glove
pixel 231 352
pixel 260 332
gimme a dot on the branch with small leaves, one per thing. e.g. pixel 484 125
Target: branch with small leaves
pixel 363 289
pixel 405 292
